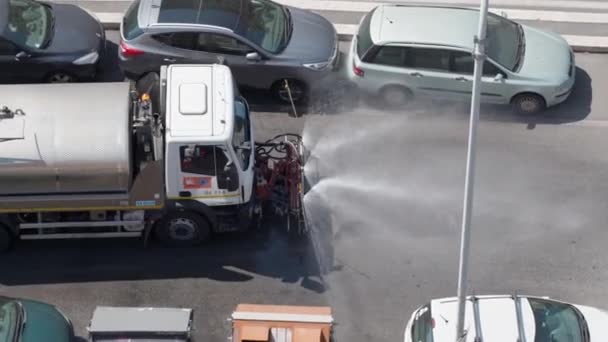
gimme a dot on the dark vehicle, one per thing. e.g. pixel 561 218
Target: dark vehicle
pixel 27 320
pixel 48 42
pixel 264 43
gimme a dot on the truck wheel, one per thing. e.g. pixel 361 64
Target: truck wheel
pixel 6 239
pixel 183 228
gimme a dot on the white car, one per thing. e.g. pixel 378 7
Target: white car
pixel 402 51
pixel 508 318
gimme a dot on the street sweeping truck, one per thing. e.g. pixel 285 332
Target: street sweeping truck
pixel 98 160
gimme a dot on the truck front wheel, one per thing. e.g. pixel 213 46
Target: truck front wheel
pixel 183 228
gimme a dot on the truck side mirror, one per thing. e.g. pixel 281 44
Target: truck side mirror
pixel 499 77
pixel 229 165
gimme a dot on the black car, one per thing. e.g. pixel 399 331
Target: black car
pixel 48 42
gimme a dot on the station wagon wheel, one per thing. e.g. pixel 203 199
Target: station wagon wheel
pixel 60 77
pixel 528 104
pixel 395 96
pixel 183 228
pixel 297 90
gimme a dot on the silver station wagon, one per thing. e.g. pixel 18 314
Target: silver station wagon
pixel 404 51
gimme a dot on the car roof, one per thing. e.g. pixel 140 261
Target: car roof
pixel 222 14
pixel 429 25
pixel 497 315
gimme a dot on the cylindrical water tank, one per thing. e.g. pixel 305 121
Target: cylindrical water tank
pixel 74 138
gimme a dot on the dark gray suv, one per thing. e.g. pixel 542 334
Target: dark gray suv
pixel 267 45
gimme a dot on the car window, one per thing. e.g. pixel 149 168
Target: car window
pixel 241 133
pixel 130 23
pixel 556 322
pixel 463 63
pixel 422 326
pixel 218 43
pixel 7 48
pixel 430 59
pixel 182 40
pixel 390 55
pixel 364 38
pixel 29 23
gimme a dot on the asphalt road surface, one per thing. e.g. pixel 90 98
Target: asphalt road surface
pixel 391 191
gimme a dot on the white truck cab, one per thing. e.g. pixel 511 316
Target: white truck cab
pixel 208 138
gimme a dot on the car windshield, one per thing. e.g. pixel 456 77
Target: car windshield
pixel 30 23
pixel 9 318
pixel 504 41
pixel 422 326
pixel 556 322
pixel 265 23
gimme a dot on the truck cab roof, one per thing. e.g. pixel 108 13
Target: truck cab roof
pixel 199 101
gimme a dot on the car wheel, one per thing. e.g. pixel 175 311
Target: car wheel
pixel 183 228
pixel 395 96
pixel 528 104
pixel 290 90
pixel 60 77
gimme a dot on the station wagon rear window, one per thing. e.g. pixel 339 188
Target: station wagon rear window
pixel 130 25
pixel 364 38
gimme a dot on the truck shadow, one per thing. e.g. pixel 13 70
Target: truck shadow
pixel 238 257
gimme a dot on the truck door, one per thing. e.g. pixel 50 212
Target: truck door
pixel 206 172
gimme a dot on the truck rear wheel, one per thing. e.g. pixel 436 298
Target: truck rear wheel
pixel 183 228
pixel 6 239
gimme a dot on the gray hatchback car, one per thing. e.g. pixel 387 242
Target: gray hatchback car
pixel 267 45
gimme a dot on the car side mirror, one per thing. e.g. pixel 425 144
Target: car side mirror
pixel 499 77
pixel 22 55
pixel 253 56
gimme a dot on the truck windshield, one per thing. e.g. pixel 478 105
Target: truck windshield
pixel 30 23
pixel 9 319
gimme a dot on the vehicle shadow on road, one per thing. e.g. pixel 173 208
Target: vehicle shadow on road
pixel 227 257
